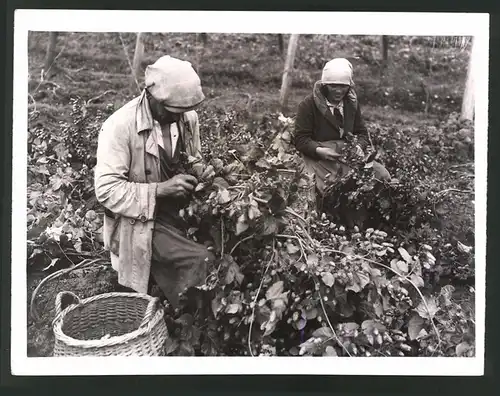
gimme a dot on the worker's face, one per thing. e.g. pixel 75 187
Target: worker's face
pixel 335 92
pixel 160 113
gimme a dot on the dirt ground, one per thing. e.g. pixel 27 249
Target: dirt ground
pixel 241 72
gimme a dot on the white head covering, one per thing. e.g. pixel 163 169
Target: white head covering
pixel 174 83
pixel 337 71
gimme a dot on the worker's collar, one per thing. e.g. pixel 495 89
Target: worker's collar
pixel 144 117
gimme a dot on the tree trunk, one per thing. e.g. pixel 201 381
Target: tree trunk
pixel 286 81
pixel 468 98
pixel 385 50
pixel 51 53
pixel 138 56
pixel 204 38
pixel 281 44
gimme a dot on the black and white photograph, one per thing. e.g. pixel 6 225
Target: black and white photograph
pixel 235 191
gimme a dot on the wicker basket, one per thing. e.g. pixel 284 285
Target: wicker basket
pixel 110 324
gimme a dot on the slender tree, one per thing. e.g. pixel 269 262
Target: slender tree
pixel 281 44
pixel 385 50
pixel 204 38
pixel 287 78
pixel 50 56
pixel 138 55
pixel 468 98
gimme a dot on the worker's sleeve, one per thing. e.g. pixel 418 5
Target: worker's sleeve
pixel 112 187
pixel 304 132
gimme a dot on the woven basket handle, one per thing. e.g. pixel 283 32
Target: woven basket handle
pixel 59 302
pixel 151 310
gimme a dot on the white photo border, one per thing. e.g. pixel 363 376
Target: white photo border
pixel 372 23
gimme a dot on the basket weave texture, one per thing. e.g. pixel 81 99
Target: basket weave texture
pixel 110 324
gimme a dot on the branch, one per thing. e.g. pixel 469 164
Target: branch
pixel 256 298
pixel 441 193
pixel 294 213
pixel 238 243
pixel 84 263
pixel 460 165
pixel 328 319
pixel 34 102
pixel 222 237
pixel 260 200
pixel 129 63
pixel 48 69
pixel 249 97
pixel 65 255
pixel 99 96
pixel 462 173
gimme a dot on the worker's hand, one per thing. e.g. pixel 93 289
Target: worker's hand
pixel 326 153
pixel 177 186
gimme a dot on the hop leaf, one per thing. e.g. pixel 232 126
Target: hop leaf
pixel 233 271
pixel 312 260
pixel 323 332
pixel 415 325
pixel 463 248
pixel 369 325
pixel 432 308
pixel 462 348
pixel 223 196
pixel 291 248
pixel 417 280
pixel 275 290
pixel 241 224
pixel 233 308
pixel 330 351
pixel 406 256
pixel 399 266
pixel 328 279
pixel 350 327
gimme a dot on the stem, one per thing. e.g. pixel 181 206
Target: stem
pixel 260 200
pixel 459 165
pixel 294 213
pixel 99 96
pixel 33 312
pixel 222 237
pixel 34 102
pixel 65 255
pixel 313 243
pixel 238 243
pixel 441 193
pixel 328 319
pixel 256 298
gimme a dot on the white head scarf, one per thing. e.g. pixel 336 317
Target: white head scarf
pixel 174 83
pixel 338 71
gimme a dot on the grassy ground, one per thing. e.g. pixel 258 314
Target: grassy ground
pixel 422 84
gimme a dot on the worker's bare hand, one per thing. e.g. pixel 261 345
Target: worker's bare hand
pixel 177 186
pixel 326 153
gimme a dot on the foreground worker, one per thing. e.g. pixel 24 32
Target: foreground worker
pixel 140 180
pixel 324 119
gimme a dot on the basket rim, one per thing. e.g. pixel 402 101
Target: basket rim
pixel 73 342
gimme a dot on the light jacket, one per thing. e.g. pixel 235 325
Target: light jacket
pixel 126 177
